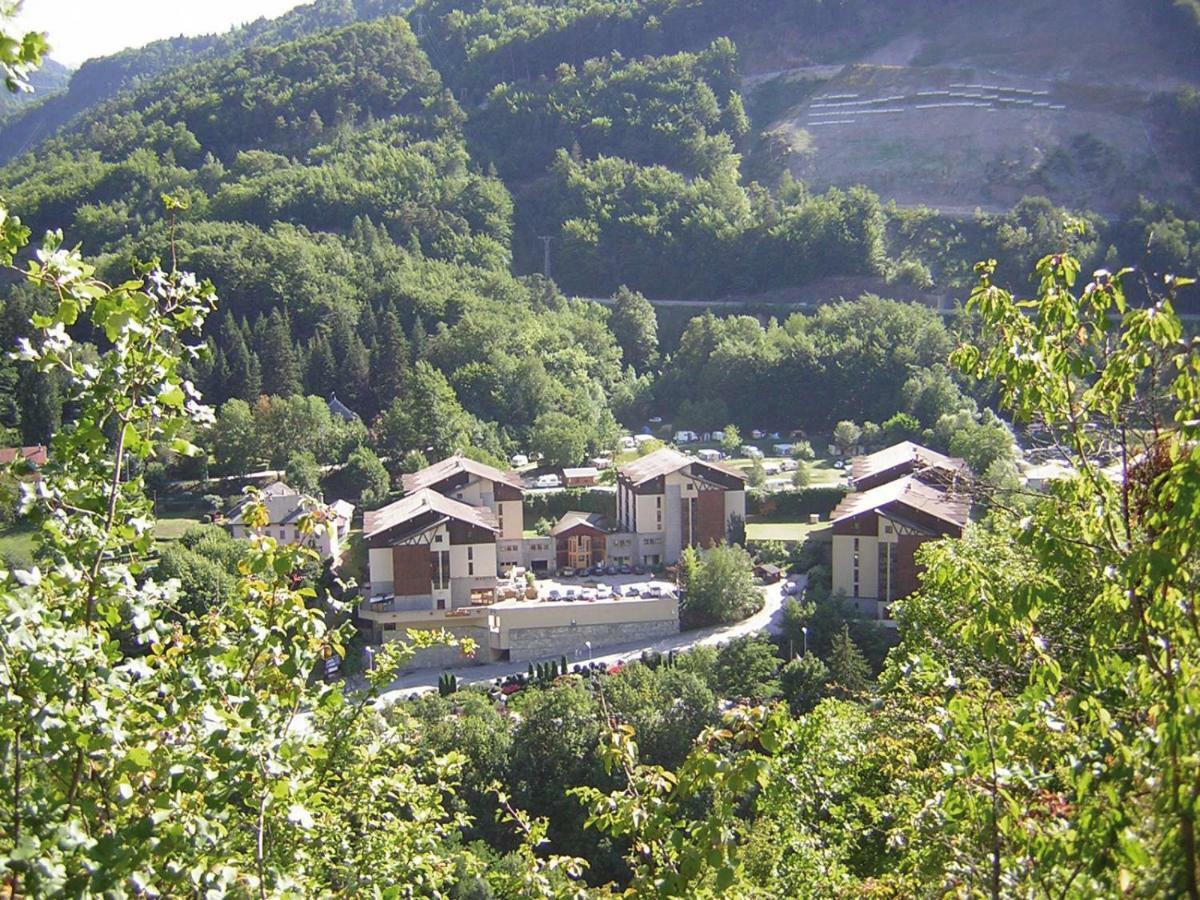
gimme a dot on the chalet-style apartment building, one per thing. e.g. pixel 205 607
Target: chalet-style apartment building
pixel 436 556
pixel 904 496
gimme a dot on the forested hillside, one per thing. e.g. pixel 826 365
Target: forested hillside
pixel 370 191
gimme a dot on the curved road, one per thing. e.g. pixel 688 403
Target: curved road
pixel 769 619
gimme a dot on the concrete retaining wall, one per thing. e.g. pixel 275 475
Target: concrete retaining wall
pixel 539 643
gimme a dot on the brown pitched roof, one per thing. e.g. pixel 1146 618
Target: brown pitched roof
pixel 453 465
pixel 35 455
pixel 897 456
pixel 422 502
pixel 666 460
pixel 952 508
pixel 574 518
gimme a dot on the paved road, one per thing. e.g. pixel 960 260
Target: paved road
pixel 769 619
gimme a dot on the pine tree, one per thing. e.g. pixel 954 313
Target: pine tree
pixel 280 370
pixel 389 362
pixel 419 339
pixel 320 373
pixel 849 673
pixel 243 375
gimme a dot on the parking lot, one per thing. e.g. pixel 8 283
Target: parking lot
pixel 590 588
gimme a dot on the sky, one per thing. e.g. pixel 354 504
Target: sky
pixel 81 29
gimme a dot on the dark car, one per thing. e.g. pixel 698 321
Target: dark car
pixel 610 569
pixel 639 570
pixel 632 592
pixel 626 570
pixel 597 571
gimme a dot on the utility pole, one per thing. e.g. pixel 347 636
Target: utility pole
pixel 546 239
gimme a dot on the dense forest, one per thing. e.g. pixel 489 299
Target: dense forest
pixel 363 188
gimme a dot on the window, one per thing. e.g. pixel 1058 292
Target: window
pixel 856 568
pixel 887 569
pixel 441 570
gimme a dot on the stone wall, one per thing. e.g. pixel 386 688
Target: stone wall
pixel 540 643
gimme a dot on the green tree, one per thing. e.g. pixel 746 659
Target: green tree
pixel 756 475
pixel 722 587
pixel 802 682
pixel 849 672
pixel 561 439
pixel 280 369
pixel 803 451
pixel 802 476
pixel 846 435
pixel 731 440
pixel 303 473
pixel 747 669
pixel 365 475
pixel 235 438
pixel 428 417
pixel 635 326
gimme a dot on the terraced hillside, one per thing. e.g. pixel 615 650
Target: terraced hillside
pixel 979 107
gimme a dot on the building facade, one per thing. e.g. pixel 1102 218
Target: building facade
pixel 286 508
pixel 877 530
pixel 670 501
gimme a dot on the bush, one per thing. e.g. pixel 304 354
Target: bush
pixel 802 682
pixel 721 588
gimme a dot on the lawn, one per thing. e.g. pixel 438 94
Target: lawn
pixel 171 527
pixel 781 530
pixel 17 543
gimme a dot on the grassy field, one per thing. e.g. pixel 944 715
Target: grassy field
pixel 172 527
pixel 781 530
pixel 17 543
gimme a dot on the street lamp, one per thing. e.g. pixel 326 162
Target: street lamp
pixel 804 631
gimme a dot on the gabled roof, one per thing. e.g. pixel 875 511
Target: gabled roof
pixel 666 460
pixel 905 455
pixel 911 492
pixel 340 409
pixel 35 455
pixel 420 503
pixel 575 518
pixel 284 505
pixel 455 465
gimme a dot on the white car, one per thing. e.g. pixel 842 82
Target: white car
pixel 655 590
pixel 548 481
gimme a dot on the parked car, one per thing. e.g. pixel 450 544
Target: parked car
pixel 633 591
pixel 839 464
pixel 554 595
pixel 548 481
pixel 603 592
pixel 611 569
pixel 566 572
pixel 655 591
pixel 791 588
pixel 597 571
pixel 587 595
pixel 626 569
pixel 519 460
pixel 570 595
pixel 639 570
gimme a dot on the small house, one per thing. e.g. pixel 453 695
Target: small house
pixel 582 477
pixel 768 573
